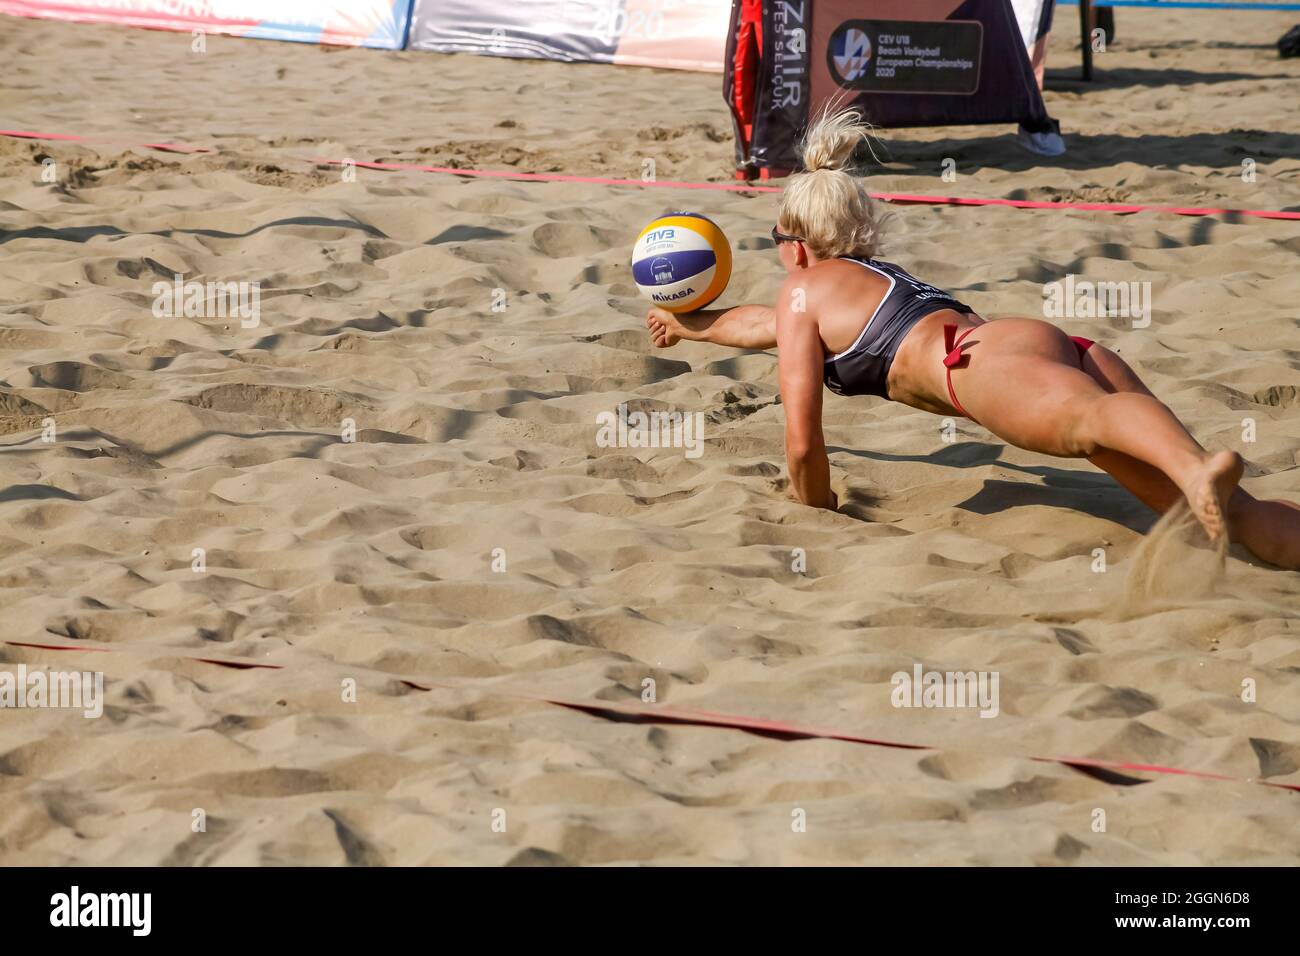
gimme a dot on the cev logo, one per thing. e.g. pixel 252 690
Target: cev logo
pixel 659 235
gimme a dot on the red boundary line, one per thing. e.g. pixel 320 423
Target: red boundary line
pixel 1107 770
pixel 1121 208
pixel 899 198
pixel 540 177
pixel 64 137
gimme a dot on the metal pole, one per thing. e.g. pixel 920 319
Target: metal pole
pixel 1085 15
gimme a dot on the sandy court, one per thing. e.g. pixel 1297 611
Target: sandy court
pixel 372 560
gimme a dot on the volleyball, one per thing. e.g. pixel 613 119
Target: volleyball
pixel 681 261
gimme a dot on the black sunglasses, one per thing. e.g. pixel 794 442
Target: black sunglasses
pixel 779 237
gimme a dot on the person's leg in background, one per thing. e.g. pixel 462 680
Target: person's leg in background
pixel 1038 58
pixel 1038 52
pixel 1035 20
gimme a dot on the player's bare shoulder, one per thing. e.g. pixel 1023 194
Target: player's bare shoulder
pixel 831 283
pixel 804 290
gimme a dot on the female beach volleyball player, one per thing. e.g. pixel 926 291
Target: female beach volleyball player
pixel 866 327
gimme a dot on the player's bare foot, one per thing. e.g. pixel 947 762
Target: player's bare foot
pixel 1210 488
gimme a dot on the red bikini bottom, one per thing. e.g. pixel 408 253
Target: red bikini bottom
pixel 956 358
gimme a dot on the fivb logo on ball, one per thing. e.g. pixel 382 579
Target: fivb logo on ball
pixel 681 261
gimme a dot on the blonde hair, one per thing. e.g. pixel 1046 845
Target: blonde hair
pixel 826 205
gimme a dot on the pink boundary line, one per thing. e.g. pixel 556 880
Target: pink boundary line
pixel 162 147
pixel 899 198
pixel 1121 208
pixel 541 177
pixel 702 718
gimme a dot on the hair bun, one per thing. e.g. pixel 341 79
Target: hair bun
pixel 833 213
pixel 832 139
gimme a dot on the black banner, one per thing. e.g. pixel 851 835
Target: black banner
pixel 784 87
pixel 337 907
pixel 900 56
pixel 941 63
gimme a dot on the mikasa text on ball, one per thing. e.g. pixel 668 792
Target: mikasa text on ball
pixel 681 261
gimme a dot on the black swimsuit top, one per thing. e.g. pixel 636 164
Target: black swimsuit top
pixel 863 368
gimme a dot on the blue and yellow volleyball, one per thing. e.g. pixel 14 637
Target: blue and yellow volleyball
pixel 681 261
